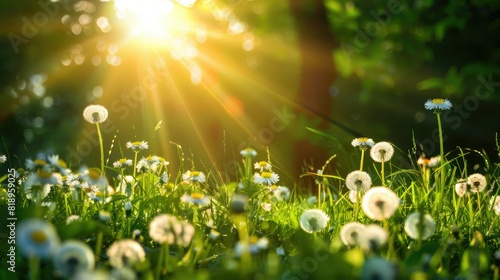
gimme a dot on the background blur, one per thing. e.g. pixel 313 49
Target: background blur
pixel 217 76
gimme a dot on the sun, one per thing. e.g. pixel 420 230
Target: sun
pixel 153 20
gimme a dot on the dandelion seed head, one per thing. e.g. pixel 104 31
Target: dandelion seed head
pixel 313 220
pixel 72 257
pixel 358 181
pixel 379 203
pixel 125 253
pixel 412 225
pixel 477 182
pixel 95 113
pixel 351 233
pixel 382 151
pixel 37 238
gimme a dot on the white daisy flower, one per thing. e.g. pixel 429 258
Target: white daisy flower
pixel 125 253
pixel 362 142
pixel 313 220
pixel 95 114
pixel 477 182
pixel 379 203
pixel 351 233
pixel 137 145
pixel 266 178
pixel 3 158
pixel 72 257
pixel 248 152
pixel 382 151
pixel 122 163
pixel 194 176
pixel 413 225
pixel 262 165
pixel 358 181
pixel 253 246
pixel 37 238
pixel 438 104
pixel 196 198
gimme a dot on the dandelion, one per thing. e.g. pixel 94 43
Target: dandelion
pixel 382 151
pixel 95 114
pixel 429 162
pixel 122 163
pixel 378 268
pixel 269 178
pixel 461 188
pixel 477 182
pixel 73 257
pixel 438 104
pixel 282 193
pixel 248 152
pixel 363 143
pixel 3 158
pixel 195 198
pixel 358 181
pixel 194 176
pixel 495 204
pixel 167 229
pixel 37 238
pixel 417 226
pixel 137 145
pixel 374 237
pixel 253 246
pixel 379 203
pixel 351 233
pixel 353 196
pixel 125 253
pixel 313 220
pixel 262 165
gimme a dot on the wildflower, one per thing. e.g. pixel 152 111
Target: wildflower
pixel 282 193
pixel 461 187
pixel 477 182
pixel 36 191
pixel 266 206
pixel 72 257
pixel 194 176
pixel 136 234
pixel 495 204
pixel 72 219
pixel 358 181
pixel 438 104
pixel 362 142
pixel 413 226
pixel 351 233
pixel 238 203
pixel 58 164
pixel 37 238
pixel 94 177
pixel 3 158
pixel 94 275
pixel 122 163
pixel 248 152
pixel 378 268
pixel 166 228
pixel 254 245
pixel 374 237
pixel 95 114
pixel 313 220
pixel 379 203
pixel 429 162
pixel 382 151
pixel 197 199
pixel 125 253
pixel 164 177
pixel 137 145
pixel 265 177
pixel 262 165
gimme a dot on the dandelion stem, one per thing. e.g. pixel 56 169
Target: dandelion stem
pixel 382 174
pixel 362 159
pixel 101 148
pixel 98 245
pixel 441 153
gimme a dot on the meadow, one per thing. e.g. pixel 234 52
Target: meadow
pixel 135 218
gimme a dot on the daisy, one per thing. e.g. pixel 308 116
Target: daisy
pixel 358 181
pixel 194 176
pixel 461 187
pixel 269 178
pixel 379 203
pixel 495 204
pixel 282 193
pixel 72 257
pixel 313 220
pixel 58 164
pixel 262 165
pixel 412 226
pixel 253 246
pixel 166 228
pixel 94 177
pixel 195 198
pixel 362 142
pixel 477 182
pixel 3 158
pixel 122 163
pixel 351 233
pixel 125 253
pixel 36 191
pixel 95 114
pixel 382 151
pixel 378 268
pixel 37 238
pixel 438 104
pixel 104 216
pixel 248 152
pixel 137 145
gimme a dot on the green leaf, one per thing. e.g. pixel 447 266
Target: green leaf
pixel 430 83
